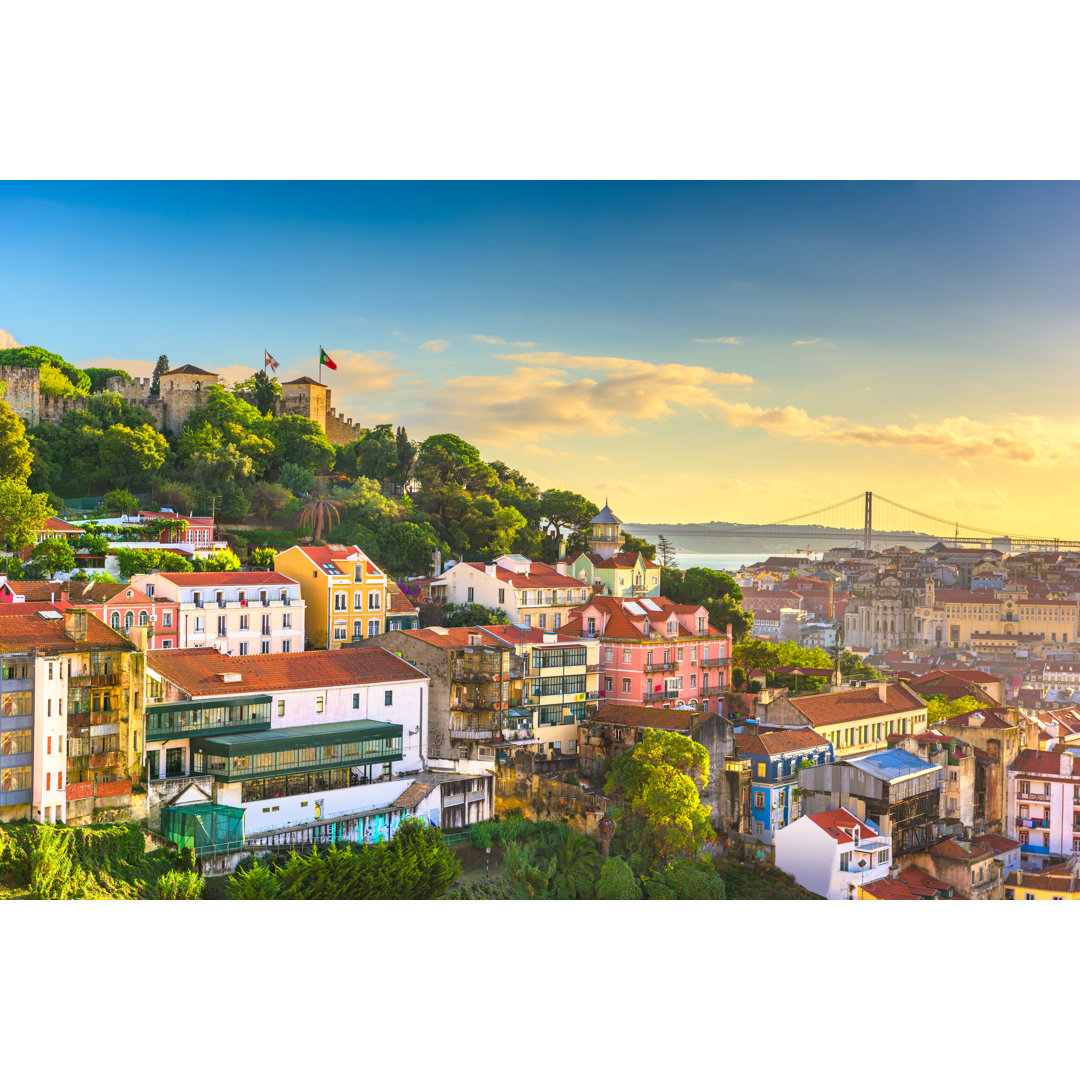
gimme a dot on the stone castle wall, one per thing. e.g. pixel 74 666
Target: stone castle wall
pixel 173 407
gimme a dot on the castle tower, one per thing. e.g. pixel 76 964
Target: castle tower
pixel 183 389
pixel 604 532
pixel 307 398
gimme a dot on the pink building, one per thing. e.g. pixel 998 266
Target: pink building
pixel 653 651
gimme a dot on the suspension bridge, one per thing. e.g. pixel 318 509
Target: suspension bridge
pixel 868 519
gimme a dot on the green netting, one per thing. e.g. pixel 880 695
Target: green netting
pixel 209 828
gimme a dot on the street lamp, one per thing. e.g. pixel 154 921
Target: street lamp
pixel 487 861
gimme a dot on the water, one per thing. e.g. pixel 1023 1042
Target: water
pixel 728 562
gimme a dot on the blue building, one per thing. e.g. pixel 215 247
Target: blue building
pixel 775 755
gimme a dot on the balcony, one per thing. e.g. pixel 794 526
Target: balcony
pixel 661 695
pixel 1030 796
pixel 715 662
pixel 1032 823
pixel 471 706
pixel 660 665
pixel 591 669
pixel 467 675
pixel 472 733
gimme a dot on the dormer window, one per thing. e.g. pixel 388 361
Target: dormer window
pixel 671 628
pixel 358 574
pixel 646 627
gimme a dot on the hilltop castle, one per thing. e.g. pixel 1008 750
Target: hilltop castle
pixel 182 390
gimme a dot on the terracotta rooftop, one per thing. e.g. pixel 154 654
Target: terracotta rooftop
pixel 540 576
pixel 58 525
pixel 1046 763
pixel 850 705
pixel 835 822
pixel 198 672
pixel 968 850
pixel 455 637
pixel 189 369
pixel 783 741
pixel 243 578
pixel 997 843
pixel 399 602
pixel 23 633
pixel 645 716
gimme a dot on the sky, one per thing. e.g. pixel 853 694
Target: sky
pixel 691 351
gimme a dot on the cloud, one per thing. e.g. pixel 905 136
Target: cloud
pixel 485 339
pixel 815 341
pixel 397 333
pixel 139 369
pixel 436 345
pixel 7 341
pixel 718 340
pixel 690 373
pixel 545 451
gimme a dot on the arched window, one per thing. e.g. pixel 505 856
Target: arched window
pixel 143 618
pixel 115 620
pixel 129 620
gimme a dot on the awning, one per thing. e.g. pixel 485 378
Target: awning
pixel 296 738
pixel 519 712
pixel 207 703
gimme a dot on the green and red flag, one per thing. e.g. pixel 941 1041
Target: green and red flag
pixel 324 359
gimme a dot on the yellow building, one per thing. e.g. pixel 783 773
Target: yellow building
pixel 346 595
pixel 1054 883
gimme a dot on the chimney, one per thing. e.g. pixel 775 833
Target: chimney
pixel 489 569
pixel 75 624
pixel 1065 765
pixel 883 692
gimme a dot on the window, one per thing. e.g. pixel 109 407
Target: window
pixel 607 683
pixel 339 601
pixel 1029 896
pixel 356 701
pixel 319 701
pixel 527 620
pixel 845 861
pixel 221 625
pixel 470 594
pixel 701 624
pixel 678 654
pixel 265 647
pixel 281 707
pixel 174 762
pixel 149 590
pixel 166 618
pixel 502 596
pixel 761 768
pixel 591 630
pixel 558 620
pixel 759 800
pixel 60 785
pixel 243 648
pixel 48 781
pixel 339 633
pixel 358 574
pixel 143 618
pixel 286 646
pixel 388 697
pixel 198 624
pixel 196 599
pixel 373 628
pixel 543 622
pixel 625 686
pixel 373 601
pixel 358 601
pixel 286 622
pixel 114 620
pixel 357 629
pixel 671 628
pixel 626 656
pixel 245 623
pixel 571 746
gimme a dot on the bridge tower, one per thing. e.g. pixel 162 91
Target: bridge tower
pixel 868 525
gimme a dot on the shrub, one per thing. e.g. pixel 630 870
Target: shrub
pixel 176 885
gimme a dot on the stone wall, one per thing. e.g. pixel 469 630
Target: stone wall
pixel 54 407
pixel 340 430
pixel 23 392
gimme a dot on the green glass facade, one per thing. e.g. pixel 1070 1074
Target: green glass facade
pixel 184 719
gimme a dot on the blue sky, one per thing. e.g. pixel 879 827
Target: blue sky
pixel 939 325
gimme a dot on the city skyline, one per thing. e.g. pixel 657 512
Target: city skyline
pixel 667 346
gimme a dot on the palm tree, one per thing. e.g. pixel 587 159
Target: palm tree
pixel 577 864
pixel 318 510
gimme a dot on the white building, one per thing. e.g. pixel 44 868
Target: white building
pixel 833 853
pixel 235 612
pixel 1044 805
pixel 291 740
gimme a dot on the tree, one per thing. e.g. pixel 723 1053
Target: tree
pixel 222 561
pixel 132 561
pixel 317 512
pixel 657 786
pixel 567 508
pixel 377 454
pixel 577 866
pixel 131 456
pixel 32 356
pixel 99 377
pixel 261 390
pixel 700 584
pixel 617 881
pixel 670 582
pixel 301 441
pixel 261 558
pixel 405 455
pixel 296 478
pixel 16 456
pixel 473 615
pixel 22 513
pixel 686 879
pixel 726 612
pixel 267 498
pixel 635 545
pixel 665 552
pixel 120 501
pixel 407 548
pixel 52 556
pixel 182 498
pixel 940 709
pixel 160 368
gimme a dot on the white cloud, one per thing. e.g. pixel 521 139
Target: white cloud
pixel 397 333
pixel 7 341
pixel 363 372
pixel 139 369
pixel 815 341
pixel 436 345
pixel 718 340
pixel 486 339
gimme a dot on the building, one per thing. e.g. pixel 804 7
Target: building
pixel 912 883
pixel 531 594
pixel 618 728
pixel 125 608
pixel 655 652
pixel 1056 882
pixel 560 677
pixel 472 675
pixel 401 614
pixel 346 596
pixel 625 574
pixel 259 746
pixel 178 532
pixel 854 720
pixel 605 533
pixel 234 612
pixel 1044 805
pixel 775 757
pixel 969 866
pixel 70 716
pixel 833 854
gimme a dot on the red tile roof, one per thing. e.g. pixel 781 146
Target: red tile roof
pixel 57 525
pixel 862 704
pixel 835 822
pixel 968 850
pixel 1046 763
pixel 917 879
pixel 540 576
pixel 198 672
pixel 645 716
pixel 399 602
pixel 517 635
pixel 25 632
pixel 997 843
pixel 995 718
pixel 782 741
pixel 454 637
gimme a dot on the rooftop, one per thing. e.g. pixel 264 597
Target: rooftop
pixel 840 823
pixel 892 764
pixel 862 704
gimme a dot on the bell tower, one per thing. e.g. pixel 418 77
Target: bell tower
pixel 604 533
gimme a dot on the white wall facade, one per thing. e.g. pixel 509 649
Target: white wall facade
pixel 813 857
pixel 50 729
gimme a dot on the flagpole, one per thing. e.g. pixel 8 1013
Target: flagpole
pixel 318 361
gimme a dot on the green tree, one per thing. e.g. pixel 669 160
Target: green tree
pixel 567 510
pixel 32 356
pixel 686 879
pixel 16 456
pixel 53 556
pixel 131 456
pixel 407 548
pixel 22 513
pixel 473 615
pixel 632 545
pixel 261 390
pixel 120 501
pixel 53 381
pixel 267 499
pixel 297 479
pixel 300 441
pixel 317 511
pixel 183 498
pixel 377 454
pixel 531 879
pixel 99 377
pixel 617 881
pixel 665 552
pixel 577 866
pixel 132 561
pixel 223 561
pixel 261 558
pixel 405 456
pixel 160 368
pixel 700 585
pixel 657 786
pixel 940 709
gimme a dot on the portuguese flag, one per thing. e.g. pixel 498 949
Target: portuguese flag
pixel 324 359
